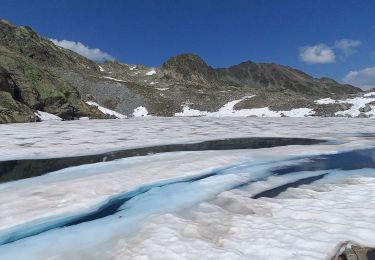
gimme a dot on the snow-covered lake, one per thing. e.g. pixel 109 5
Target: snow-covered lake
pixel 283 202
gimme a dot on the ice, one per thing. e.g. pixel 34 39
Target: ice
pixel 186 217
pixel 106 110
pixel 187 220
pixel 72 138
pixel 286 227
pixel 151 72
pixel 44 116
pixel 228 111
pixel 140 111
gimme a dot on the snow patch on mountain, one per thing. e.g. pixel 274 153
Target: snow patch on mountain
pixel 106 110
pixel 44 116
pixel 325 101
pixel 151 72
pixel 118 80
pixel 370 94
pixel 357 104
pixel 140 111
pixel 228 111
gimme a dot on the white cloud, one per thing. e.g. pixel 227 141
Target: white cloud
pixel 347 46
pixel 92 54
pixel 319 53
pixel 363 78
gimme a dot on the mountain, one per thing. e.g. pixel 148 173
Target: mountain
pixel 37 75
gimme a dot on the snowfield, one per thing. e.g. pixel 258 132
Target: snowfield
pixel 228 111
pixel 44 116
pixel 106 110
pixel 357 103
pixel 191 204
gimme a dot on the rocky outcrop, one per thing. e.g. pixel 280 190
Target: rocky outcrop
pixel 189 68
pixel 354 252
pixel 11 109
pixel 27 57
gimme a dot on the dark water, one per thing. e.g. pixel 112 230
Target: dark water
pixel 21 169
pixel 346 161
pixel 351 160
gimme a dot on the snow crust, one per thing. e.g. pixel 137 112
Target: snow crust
pixel 228 111
pixel 44 116
pixel 140 111
pixel 106 110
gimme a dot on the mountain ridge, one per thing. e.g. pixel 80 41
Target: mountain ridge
pixel 60 81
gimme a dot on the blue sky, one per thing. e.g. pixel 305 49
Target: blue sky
pixel 320 37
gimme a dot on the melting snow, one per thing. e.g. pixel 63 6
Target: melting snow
pixel 369 94
pixel 140 112
pixel 162 89
pixel 106 110
pixel 204 219
pixel 101 68
pixel 357 103
pixel 151 72
pixel 44 116
pixel 228 111
pixel 97 136
pixel 325 101
pixel 119 80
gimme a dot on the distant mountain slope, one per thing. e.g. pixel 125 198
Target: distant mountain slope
pixel 58 81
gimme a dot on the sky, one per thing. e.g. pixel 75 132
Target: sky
pixel 324 38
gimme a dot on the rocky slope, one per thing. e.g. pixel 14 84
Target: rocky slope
pixel 58 81
pixel 25 59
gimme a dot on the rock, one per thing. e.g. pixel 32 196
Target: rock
pixel 363 115
pixel 12 111
pixel 365 109
pixel 357 253
pixel 8 85
pixel 29 59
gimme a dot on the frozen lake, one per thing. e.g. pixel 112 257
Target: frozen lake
pixel 187 188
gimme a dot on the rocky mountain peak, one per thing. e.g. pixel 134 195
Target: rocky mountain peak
pixel 188 67
pixel 185 61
